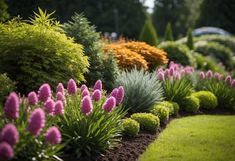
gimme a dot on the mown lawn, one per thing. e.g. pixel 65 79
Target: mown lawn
pixel 195 138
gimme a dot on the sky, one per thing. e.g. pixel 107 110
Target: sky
pixel 150 4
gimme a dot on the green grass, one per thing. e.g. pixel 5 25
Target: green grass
pixel 196 138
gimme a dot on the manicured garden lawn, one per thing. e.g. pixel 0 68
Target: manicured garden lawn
pixel 195 138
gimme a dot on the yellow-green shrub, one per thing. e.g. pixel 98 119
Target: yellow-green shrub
pixel 130 127
pixel 161 111
pixel 191 104
pixel 207 99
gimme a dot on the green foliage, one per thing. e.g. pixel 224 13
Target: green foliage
pixel 92 134
pixel 7 85
pixel 142 90
pixel 168 36
pixel 176 107
pixel 190 39
pixel 191 104
pixel 147 121
pixel 161 111
pixel 47 55
pixel 169 106
pixel 130 127
pixel 148 33
pixel 207 99
pixel 178 53
pixel 3 11
pixel 217 51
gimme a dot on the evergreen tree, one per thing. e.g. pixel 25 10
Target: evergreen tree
pixel 168 33
pixel 148 33
pixel 190 39
pixel 3 11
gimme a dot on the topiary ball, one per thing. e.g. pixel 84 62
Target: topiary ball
pixel 161 111
pixel 207 99
pixel 130 127
pixel 191 104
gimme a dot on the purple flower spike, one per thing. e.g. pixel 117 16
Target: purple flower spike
pixel 11 108
pixel 72 87
pixel 120 95
pixel 60 96
pixel 171 71
pixel 53 135
pixel 32 98
pixel 83 87
pixel 233 83
pixel 36 121
pixel 202 75
pixel 166 74
pixel 59 108
pixel 109 104
pixel 44 92
pixel 218 76
pixel 98 85
pixel 6 151
pixel 114 93
pixel 49 106
pixel 177 76
pixel 60 88
pixel 228 79
pixel 10 134
pixel 161 76
pixel 96 96
pixel 85 93
pixel 86 107
pixel 209 74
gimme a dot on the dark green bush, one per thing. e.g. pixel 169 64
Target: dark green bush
pixel 191 104
pixel 130 127
pixel 142 90
pixel 147 121
pixel 161 111
pixel 3 11
pixel 178 53
pixel 32 54
pixel 6 86
pixel 207 99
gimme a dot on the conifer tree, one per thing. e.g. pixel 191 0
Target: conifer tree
pixel 168 36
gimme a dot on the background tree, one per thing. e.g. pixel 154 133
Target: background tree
pixel 3 11
pixel 218 13
pixel 148 33
pixel 190 42
pixel 168 36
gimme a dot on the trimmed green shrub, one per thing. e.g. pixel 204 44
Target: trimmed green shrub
pixel 7 85
pixel 168 105
pixel 142 90
pixel 207 99
pixel 178 53
pixel 190 39
pixel 32 54
pixel 176 107
pixel 168 36
pixel 130 127
pixel 147 121
pixel 161 111
pixel 191 104
pixel 84 33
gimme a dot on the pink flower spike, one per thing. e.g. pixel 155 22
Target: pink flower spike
pixel 161 76
pixel 53 135
pixel 171 64
pixel 44 92
pixel 59 108
pixel 114 93
pixel 202 75
pixel 159 70
pixel 86 106
pixel 60 96
pixel 36 121
pixel 60 88
pixel 233 83
pixel 83 87
pixel 109 104
pixel 171 71
pixel 218 76
pixel 98 85
pixel 32 98
pixel 228 80
pixel 85 93
pixel 10 134
pixel 120 95
pixel 49 106
pixel 11 108
pixel 96 96
pixel 166 74
pixel 72 87
pixel 209 74
pixel 6 151
pixel 177 76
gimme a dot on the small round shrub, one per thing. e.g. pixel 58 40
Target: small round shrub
pixel 176 107
pixel 147 121
pixel 178 53
pixel 169 105
pixel 130 127
pixel 207 99
pixel 6 86
pixel 161 111
pixel 191 104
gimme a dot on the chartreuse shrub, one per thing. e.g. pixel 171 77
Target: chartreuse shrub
pixel 7 85
pixel 169 106
pixel 142 90
pixel 207 99
pixel 130 127
pixel 85 34
pixel 147 121
pixel 191 104
pixel 37 52
pixel 161 111
pixel 28 127
pixel 178 53
pixel 91 122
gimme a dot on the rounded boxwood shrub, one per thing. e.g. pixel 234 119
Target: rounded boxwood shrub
pixel 178 53
pixel 130 127
pixel 147 121
pixel 172 107
pixel 7 86
pixel 161 111
pixel 191 104
pixel 176 107
pixel 32 54
pixel 207 99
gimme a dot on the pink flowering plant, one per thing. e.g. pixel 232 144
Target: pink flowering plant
pixel 28 129
pixel 91 122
